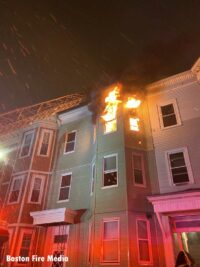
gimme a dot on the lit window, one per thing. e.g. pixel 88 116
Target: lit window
pixel 16 189
pixel 144 242
pixel 110 171
pixel 70 142
pixel 26 144
pixel 37 188
pixel 180 168
pixel 93 178
pixel 44 147
pixel 169 114
pixel 110 126
pixel 138 169
pixel 25 246
pixel 110 246
pixel 134 124
pixel 65 187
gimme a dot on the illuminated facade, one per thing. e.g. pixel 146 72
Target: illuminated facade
pixel 122 192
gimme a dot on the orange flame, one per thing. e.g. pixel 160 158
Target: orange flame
pixel 133 103
pixel 112 101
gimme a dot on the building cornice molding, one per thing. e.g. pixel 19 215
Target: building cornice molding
pixel 178 79
pixel 74 115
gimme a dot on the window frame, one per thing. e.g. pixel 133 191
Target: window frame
pixel 93 178
pixel 184 150
pixel 20 177
pixel 141 262
pixel 41 188
pixel 43 131
pixel 102 261
pixel 141 155
pixel 176 112
pixel 66 135
pixel 23 141
pixel 22 232
pixel 109 156
pixel 104 126
pixel 64 200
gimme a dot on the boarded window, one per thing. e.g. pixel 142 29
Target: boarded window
pixel 110 170
pixel 65 187
pixel 111 241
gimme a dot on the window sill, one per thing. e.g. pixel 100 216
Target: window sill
pixel 109 186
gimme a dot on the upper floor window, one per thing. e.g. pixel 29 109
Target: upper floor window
pixel 15 190
pixel 25 246
pixel 110 126
pixel 169 114
pixel 70 142
pixel 45 142
pixel 144 241
pixel 26 144
pixel 36 189
pixel 110 246
pixel 65 186
pixel 179 165
pixel 138 169
pixel 110 171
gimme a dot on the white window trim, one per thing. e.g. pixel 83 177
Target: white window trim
pixel 11 188
pixel 43 131
pixel 22 144
pixel 150 262
pixel 143 170
pixel 64 200
pixel 92 180
pixel 41 188
pixel 104 127
pixel 66 153
pixel 22 232
pixel 111 219
pixel 108 156
pixel 187 163
pixel 176 112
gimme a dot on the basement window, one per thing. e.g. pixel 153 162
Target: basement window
pixel 70 142
pixel 110 171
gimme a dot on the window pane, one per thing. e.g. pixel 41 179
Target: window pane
pixel 142 229
pixel 17 184
pixel 169 120
pixel 180 178
pixel 110 163
pixel 64 193
pixel 110 251
pixel 138 176
pixel 60 239
pixel 110 178
pixel 168 109
pixel 177 159
pixel 110 126
pixel 137 162
pixel 69 147
pixel 111 230
pixel 14 196
pixel 71 137
pixel 37 183
pixel 35 195
pixel 66 180
pixel 144 250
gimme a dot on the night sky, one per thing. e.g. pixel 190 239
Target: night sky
pixel 56 47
